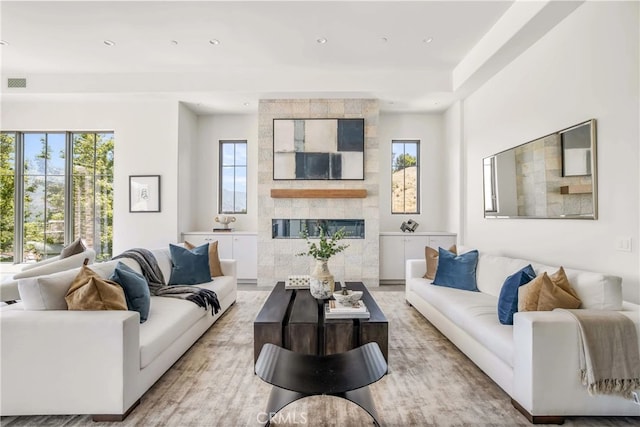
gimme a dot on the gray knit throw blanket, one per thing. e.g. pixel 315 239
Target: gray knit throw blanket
pixel 608 352
pixel 155 279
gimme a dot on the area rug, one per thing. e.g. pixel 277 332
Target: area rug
pixel 430 383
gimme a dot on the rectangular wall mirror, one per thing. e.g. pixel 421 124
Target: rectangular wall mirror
pixel 550 177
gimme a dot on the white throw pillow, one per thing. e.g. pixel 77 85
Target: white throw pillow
pixel 48 292
pixel 45 267
pixel 492 270
pixel 596 290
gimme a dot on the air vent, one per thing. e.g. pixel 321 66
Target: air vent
pixel 16 82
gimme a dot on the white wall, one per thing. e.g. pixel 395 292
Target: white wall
pixel 454 172
pixel 586 67
pixel 428 129
pixel 425 127
pixel 187 176
pixel 146 133
pixel 212 129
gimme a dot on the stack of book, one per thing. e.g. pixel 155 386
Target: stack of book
pixel 356 310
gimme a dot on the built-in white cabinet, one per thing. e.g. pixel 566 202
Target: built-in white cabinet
pixel 239 245
pixel 397 247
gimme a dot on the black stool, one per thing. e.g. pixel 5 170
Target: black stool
pixel 295 375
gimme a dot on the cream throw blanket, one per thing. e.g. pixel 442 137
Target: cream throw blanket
pixel 609 352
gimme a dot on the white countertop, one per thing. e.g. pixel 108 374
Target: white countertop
pixel 248 233
pixel 417 233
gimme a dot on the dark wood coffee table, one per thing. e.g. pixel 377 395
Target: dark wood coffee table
pixel 293 319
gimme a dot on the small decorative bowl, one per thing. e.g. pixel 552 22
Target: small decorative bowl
pixel 350 298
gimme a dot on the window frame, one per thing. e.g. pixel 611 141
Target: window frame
pixel 418 189
pixel 235 166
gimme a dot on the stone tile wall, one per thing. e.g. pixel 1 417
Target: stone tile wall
pixel 276 257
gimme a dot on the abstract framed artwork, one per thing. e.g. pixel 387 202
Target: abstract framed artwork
pixel 144 193
pixel 318 149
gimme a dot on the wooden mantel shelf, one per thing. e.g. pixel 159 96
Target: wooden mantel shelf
pixel 576 189
pixel 335 193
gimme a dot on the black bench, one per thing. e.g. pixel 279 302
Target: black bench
pixel 296 375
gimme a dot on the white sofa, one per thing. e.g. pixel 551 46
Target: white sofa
pixel 535 361
pixel 98 362
pixel 9 288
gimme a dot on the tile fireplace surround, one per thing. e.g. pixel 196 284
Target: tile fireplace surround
pixel 276 258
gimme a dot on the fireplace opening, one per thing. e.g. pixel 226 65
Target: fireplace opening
pixel 292 228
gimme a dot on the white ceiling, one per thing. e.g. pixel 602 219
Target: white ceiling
pixel 267 49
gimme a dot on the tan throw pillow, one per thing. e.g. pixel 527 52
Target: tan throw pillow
pixel 529 294
pixel 431 257
pixel 559 278
pixel 558 293
pixel 544 293
pixel 89 291
pixel 214 259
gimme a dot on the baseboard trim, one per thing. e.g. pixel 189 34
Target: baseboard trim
pixel 115 417
pixel 538 419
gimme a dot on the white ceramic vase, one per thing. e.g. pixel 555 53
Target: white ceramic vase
pixel 321 283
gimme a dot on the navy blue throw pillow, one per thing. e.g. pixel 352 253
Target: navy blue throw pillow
pixel 190 267
pixel 136 289
pixel 457 271
pixel 508 300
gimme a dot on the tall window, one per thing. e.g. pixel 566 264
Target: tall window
pixel 405 177
pixel 233 177
pixel 93 190
pixel 7 191
pixel 490 196
pixel 43 171
pixel 55 187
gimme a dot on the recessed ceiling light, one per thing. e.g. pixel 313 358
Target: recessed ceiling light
pixel 246 104
pixel 384 39
pixel 4 43
pixel 428 40
pixel 214 42
pixel 109 42
pixel 322 40
pixel 174 42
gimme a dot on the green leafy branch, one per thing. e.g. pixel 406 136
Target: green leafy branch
pixel 325 248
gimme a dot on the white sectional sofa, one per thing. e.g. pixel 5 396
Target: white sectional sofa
pixel 535 361
pixel 99 362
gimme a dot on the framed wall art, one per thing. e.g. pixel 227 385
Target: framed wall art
pixel 144 193
pixel 318 149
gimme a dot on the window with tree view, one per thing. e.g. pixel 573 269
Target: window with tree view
pixel 56 187
pixel 7 192
pixel 92 196
pixel 405 173
pixel 233 177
